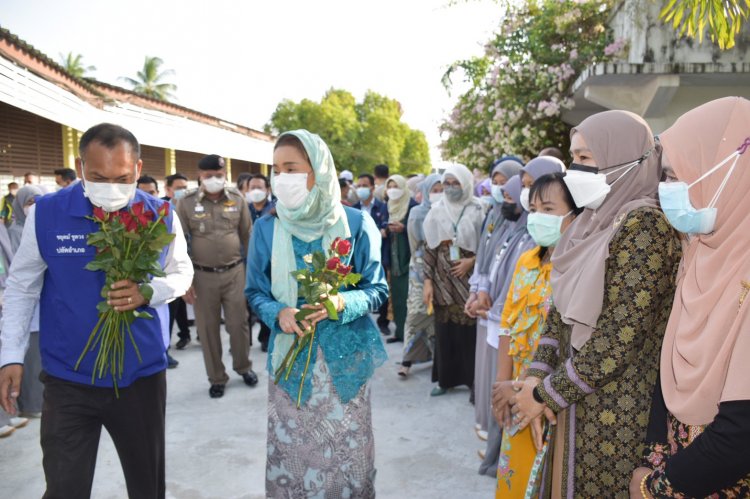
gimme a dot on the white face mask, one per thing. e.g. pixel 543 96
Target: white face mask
pixel 290 189
pixel 109 197
pixel 179 193
pixel 26 210
pixel 525 198
pixel 256 196
pixel 214 184
pixel 395 194
pixel 435 197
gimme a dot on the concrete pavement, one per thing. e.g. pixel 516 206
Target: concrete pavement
pixel 425 446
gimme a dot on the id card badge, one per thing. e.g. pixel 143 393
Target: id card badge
pixel 455 252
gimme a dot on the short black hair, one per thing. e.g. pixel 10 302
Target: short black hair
pixel 145 179
pixel 66 174
pixel 110 136
pixel 175 176
pixel 552 151
pixel 381 171
pixel 343 183
pixel 12 184
pixel 243 179
pixel 541 187
pixel 260 176
pixel 368 177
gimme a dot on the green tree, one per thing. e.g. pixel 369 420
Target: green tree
pixel 73 64
pixel 724 19
pixel 149 80
pixel 360 135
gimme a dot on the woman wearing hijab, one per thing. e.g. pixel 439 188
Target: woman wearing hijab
pixel 32 390
pixel 612 287
pixel 490 302
pixel 700 419
pixel 400 204
pixel 326 446
pixel 420 326
pixel 494 232
pixel 452 229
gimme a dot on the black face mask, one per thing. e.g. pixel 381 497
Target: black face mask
pixel 510 211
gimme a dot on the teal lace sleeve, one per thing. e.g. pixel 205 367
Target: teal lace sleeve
pixel 258 279
pixel 352 346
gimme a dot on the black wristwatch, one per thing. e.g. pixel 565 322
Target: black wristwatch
pixel 537 395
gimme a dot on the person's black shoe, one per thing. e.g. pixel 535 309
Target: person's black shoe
pixel 171 363
pixel 250 378
pixel 182 343
pixel 264 346
pixel 394 340
pixel 384 329
pixel 216 391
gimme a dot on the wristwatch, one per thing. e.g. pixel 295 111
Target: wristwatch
pixel 537 395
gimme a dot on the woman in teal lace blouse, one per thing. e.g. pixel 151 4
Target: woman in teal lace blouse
pixel 326 446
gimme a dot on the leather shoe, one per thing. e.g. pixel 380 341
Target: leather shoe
pixel 394 340
pixel 250 378
pixel 182 343
pixel 216 391
pixel 171 363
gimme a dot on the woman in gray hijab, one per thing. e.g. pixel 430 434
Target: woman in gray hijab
pixel 494 233
pixel 32 390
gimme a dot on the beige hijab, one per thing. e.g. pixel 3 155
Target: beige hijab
pixel 579 260
pixel 397 208
pixel 707 343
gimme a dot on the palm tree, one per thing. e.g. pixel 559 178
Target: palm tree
pixel 149 80
pixel 723 18
pixel 73 64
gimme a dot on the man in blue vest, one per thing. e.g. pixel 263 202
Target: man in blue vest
pixel 50 264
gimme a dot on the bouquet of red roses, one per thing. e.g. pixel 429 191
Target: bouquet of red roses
pixel 128 245
pixel 324 277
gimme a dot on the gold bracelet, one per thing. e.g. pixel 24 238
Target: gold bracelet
pixel 644 492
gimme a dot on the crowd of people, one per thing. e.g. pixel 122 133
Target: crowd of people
pixel 593 311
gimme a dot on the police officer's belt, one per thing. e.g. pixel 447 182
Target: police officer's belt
pixel 217 269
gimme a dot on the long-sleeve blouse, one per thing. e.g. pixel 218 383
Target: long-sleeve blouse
pixel 352 346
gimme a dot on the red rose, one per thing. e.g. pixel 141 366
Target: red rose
pixel 343 247
pixel 335 243
pixel 130 222
pixel 143 217
pixel 333 263
pixel 343 269
pixel 164 210
pixel 100 214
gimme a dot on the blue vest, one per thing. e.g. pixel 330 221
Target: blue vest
pixel 70 293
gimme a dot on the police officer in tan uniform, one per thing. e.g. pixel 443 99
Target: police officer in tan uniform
pixel 217 223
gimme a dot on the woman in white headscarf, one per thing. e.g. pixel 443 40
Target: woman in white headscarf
pixel 324 447
pixel 452 229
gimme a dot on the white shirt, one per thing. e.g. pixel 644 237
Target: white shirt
pixel 26 278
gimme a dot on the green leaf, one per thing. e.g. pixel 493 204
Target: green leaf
pixel 331 308
pixel 304 313
pixel 146 291
pixel 142 315
pixel 103 307
pixel 319 260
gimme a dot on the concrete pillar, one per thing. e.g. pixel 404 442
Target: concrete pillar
pixel 264 169
pixel 228 166
pixel 170 162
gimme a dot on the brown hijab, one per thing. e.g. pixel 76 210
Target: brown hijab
pixel 579 260
pixel 707 343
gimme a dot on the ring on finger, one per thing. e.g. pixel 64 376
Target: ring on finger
pixel 130 300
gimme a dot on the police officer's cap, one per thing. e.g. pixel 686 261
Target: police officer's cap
pixel 211 162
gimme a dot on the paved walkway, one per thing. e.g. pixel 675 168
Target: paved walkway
pixel 425 447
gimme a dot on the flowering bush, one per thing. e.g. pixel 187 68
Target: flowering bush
pixel 523 83
pixel 128 244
